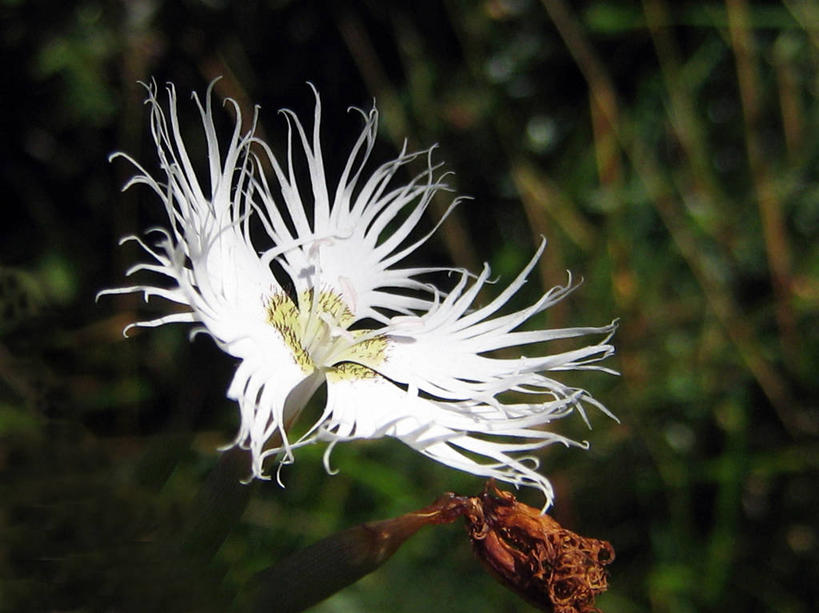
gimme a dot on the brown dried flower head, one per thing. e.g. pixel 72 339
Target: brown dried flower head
pixel 529 552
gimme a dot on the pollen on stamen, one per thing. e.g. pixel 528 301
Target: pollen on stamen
pixel 332 304
pixel 350 371
pixel 283 315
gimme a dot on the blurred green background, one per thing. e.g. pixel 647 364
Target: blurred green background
pixel 667 150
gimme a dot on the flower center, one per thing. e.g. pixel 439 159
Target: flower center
pixel 317 333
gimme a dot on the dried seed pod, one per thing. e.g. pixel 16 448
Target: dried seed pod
pixel 529 552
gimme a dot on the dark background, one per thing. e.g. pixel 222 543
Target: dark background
pixel 667 150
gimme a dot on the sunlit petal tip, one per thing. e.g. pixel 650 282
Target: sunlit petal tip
pixel 128 328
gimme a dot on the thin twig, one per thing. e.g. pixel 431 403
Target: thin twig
pixel 770 206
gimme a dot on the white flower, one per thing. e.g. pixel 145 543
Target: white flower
pixel 399 357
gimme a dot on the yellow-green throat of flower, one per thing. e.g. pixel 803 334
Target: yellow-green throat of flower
pixel 316 330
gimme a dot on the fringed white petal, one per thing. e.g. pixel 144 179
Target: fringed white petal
pixel 468 436
pixel 206 252
pixel 442 352
pixel 262 385
pixel 346 247
pixel 215 270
